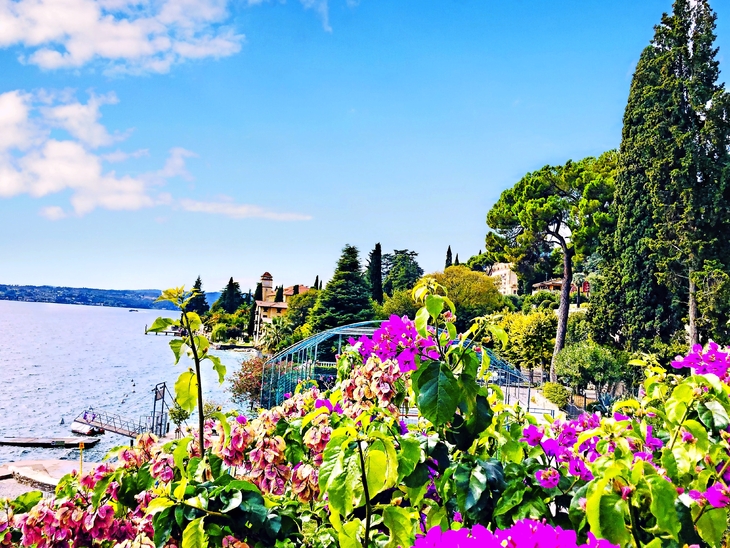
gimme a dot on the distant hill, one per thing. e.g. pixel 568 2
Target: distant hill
pixel 124 298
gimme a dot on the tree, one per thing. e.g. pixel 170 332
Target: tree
pixel 473 293
pixel 456 261
pixel 295 290
pixel 400 304
pixel 198 302
pixel 279 296
pixel 346 299
pixel 245 382
pixel 401 270
pixel 231 297
pixel 481 263
pixel 531 339
pixel 449 261
pixel 316 282
pixel 559 206
pixel 375 273
pixel 275 333
pixel 299 307
pixel 672 191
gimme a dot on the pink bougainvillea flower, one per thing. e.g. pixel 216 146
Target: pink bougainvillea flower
pixel 548 478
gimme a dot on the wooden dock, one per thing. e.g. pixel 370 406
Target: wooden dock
pixel 72 443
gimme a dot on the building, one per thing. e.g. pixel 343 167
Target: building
pixel 556 284
pixel 506 278
pixel 266 308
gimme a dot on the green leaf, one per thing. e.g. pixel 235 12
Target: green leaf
pixel 177 347
pixel 330 457
pixel 345 483
pixel 23 503
pixel 162 524
pixel 422 321
pixel 218 367
pixel 158 505
pixel 399 523
pixel 202 344
pixel 233 502
pixel 409 455
pixel 381 467
pixel 194 321
pixel 711 526
pixel 349 534
pixel 161 324
pixel 181 452
pixel 194 535
pixel 606 513
pixel 663 496
pixel 186 390
pixel 438 394
pixel 499 334
pixel 434 305
pixel 719 417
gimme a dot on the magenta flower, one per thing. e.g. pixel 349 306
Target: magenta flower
pixel 532 435
pixel 548 479
pixel 718 495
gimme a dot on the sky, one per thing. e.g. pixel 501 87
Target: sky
pixel 146 142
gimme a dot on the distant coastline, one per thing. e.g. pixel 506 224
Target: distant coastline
pixel 120 298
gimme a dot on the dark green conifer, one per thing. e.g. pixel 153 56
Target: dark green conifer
pixel 375 273
pixel 449 260
pixel 456 261
pixel 346 299
pixel 198 303
pixel 231 297
pixel 279 297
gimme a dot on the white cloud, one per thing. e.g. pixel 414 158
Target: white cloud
pixel 240 211
pixel 40 163
pixel 128 35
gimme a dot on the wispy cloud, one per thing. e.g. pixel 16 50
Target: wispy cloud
pixel 34 162
pixel 127 35
pixel 240 211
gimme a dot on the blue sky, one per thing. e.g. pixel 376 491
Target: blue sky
pixel 144 143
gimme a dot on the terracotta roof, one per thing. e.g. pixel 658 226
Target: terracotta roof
pixel 270 304
pixel 555 281
pixel 290 290
pixel 266 276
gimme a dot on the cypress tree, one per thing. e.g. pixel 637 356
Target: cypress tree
pixel 198 302
pixel 346 299
pixel 316 282
pixel 279 297
pixel 257 296
pixel 456 261
pixel 375 273
pixel 295 291
pixel 671 195
pixel 449 261
pixel 231 297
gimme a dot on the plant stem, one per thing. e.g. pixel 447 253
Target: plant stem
pixel 368 508
pixel 196 359
pixel 679 427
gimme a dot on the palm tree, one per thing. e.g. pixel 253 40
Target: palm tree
pixel 275 333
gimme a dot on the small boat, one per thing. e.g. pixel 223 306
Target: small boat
pixel 133 310
pixel 85 429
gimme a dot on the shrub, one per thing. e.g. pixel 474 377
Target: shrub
pixel 531 338
pixel 556 393
pixel 220 333
pixel 542 299
pixel 584 363
pixel 245 382
pixel 579 328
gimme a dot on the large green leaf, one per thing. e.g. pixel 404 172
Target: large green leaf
pixel 713 415
pixel 161 324
pixel 218 367
pixel 349 534
pixel 663 496
pixel 194 321
pixel 345 482
pixel 23 503
pixel 434 305
pixel 194 535
pixel 177 347
pixel 162 524
pixel 606 513
pixel 399 523
pixel 438 394
pixel 409 455
pixel 186 390
pixel 711 526
pixel 381 466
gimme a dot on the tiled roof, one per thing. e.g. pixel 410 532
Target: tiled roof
pixel 290 290
pixel 269 304
pixel 266 276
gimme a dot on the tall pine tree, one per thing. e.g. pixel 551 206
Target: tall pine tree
pixel 375 273
pixel 198 302
pixel 346 299
pixel 231 297
pixel 449 260
pixel 316 282
pixel 279 296
pixel 672 193
pixel 456 261
pixel 257 296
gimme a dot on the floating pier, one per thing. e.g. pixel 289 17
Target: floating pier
pixel 72 443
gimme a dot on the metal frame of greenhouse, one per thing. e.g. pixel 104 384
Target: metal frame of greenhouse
pixel 313 359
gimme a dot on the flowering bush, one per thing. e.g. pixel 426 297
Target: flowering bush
pixel 340 467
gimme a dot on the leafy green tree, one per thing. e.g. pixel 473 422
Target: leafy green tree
pixel 279 296
pixel 401 304
pixel 473 293
pixel 672 193
pixel 449 260
pixel 560 206
pixel 585 363
pixel 481 263
pixel 299 307
pixel 275 333
pixel 198 303
pixel 231 297
pixel 531 340
pixel 401 269
pixel 346 299
pixel 375 273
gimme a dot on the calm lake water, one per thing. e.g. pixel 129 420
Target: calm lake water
pixel 57 360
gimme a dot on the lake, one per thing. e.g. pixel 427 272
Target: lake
pixel 58 360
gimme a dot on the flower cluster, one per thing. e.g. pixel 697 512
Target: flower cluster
pixel 711 361
pixel 371 386
pixel 523 534
pixel 397 339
